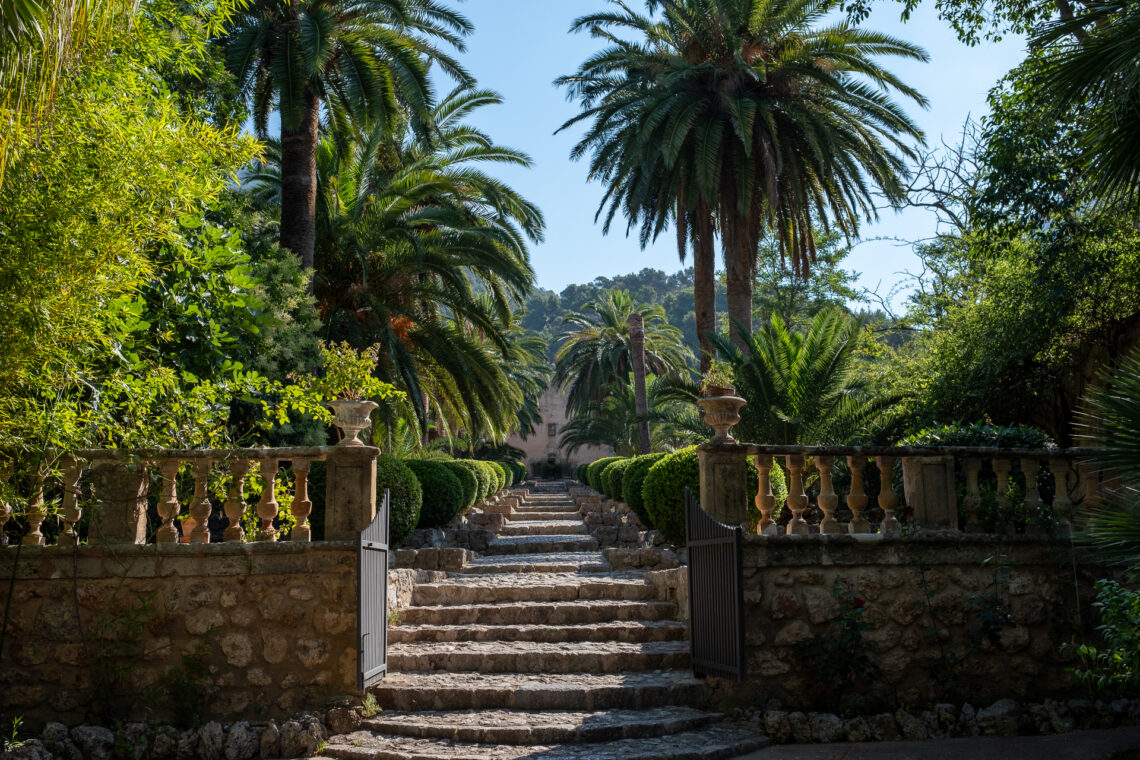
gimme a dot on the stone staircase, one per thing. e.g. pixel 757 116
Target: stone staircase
pixel 537 649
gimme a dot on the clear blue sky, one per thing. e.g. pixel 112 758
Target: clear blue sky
pixel 520 46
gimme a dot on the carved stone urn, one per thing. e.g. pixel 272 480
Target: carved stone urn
pixel 352 417
pixel 721 413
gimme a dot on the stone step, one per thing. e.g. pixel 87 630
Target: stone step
pixel 537 691
pixel 523 728
pixel 535 587
pixel 547 562
pixel 544 528
pixel 711 743
pixel 616 630
pixel 540 544
pixel 538 656
pixel 594 611
pixel 528 515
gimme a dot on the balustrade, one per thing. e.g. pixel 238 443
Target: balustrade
pixel 121 479
pixel 929 482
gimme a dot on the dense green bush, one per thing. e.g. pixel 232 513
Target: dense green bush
pixel 501 477
pixel 980 434
pixel 594 472
pixel 663 491
pixel 580 473
pixel 611 478
pixel 634 480
pixel 492 476
pixel 520 472
pixel 482 477
pixel 442 492
pixel 1113 670
pixel 467 480
pixel 405 496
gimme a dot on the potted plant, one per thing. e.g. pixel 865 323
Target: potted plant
pixel 718 381
pixel 349 382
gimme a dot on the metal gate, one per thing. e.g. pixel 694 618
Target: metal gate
pixel 372 598
pixel 716 594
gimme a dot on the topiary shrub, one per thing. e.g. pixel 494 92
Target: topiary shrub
pixel 606 478
pixel 509 471
pixel 580 473
pixel 501 474
pixel 442 493
pixel 482 477
pixel 663 491
pixel 467 480
pixel 594 472
pixel 495 474
pixel 405 497
pixel 520 471
pixel 634 480
pixel 617 472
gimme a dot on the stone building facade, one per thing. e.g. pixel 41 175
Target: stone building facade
pixel 544 446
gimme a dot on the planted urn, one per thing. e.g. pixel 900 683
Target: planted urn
pixel 719 402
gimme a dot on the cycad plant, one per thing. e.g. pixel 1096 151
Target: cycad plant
pixel 803 388
pixel 755 112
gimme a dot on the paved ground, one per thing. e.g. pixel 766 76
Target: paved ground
pixel 1079 745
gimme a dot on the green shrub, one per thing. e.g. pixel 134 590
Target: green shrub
pixel 482 477
pixel 520 471
pixel 580 473
pixel 405 497
pixel 1112 670
pixel 632 483
pixel 501 475
pixel 610 486
pixel 442 492
pixel 663 491
pixel 467 480
pixel 617 478
pixel 594 472
pixel 509 471
pixel 491 476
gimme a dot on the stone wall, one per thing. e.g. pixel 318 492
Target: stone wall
pixel 252 630
pixel 934 618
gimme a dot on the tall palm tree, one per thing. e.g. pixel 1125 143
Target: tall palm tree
pixel 595 350
pixel 749 108
pixel 804 388
pixel 366 58
pixel 1093 59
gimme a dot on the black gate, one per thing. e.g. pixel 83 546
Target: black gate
pixel 372 598
pixel 716 594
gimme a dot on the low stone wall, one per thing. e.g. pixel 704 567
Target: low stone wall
pixel 251 630
pixel 838 622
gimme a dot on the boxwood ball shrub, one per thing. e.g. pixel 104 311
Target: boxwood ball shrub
pixel 664 491
pixel 467 480
pixel 520 471
pixel 405 497
pixel 509 471
pixel 482 477
pixel 580 473
pixel 632 482
pixel 594 472
pixel 442 493
pixel 611 478
pixel 500 475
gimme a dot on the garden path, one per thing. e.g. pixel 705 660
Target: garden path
pixel 539 649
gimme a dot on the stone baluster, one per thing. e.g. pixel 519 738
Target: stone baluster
pixel 267 505
pixel 857 499
pixel 1002 469
pixel 828 499
pixel 70 512
pixel 765 499
pixel 973 500
pixel 302 505
pixel 1030 469
pixel 1062 504
pixel 888 499
pixel 201 508
pixel 36 515
pixel 1090 487
pixel 235 501
pixel 797 498
pixel 168 503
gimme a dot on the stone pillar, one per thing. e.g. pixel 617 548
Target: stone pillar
pixel 928 486
pixel 350 491
pixel 120 516
pixel 724 482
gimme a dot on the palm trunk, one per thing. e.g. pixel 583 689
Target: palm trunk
pixel 640 396
pixel 704 283
pixel 738 261
pixel 299 183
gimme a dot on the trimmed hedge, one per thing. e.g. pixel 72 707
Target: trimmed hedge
pixel 467 480
pixel 664 491
pixel 500 474
pixel 611 478
pixel 405 497
pixel 482 477
pixel 443 494
pixel 634 480
pixel 594 472
pixel 520 471
pixel 580 473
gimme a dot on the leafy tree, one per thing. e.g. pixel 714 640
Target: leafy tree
pixel 365 59
pixel 595 349
pixel 796 300
pixel 747 112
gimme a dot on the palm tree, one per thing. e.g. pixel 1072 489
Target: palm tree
pixel 803 388
pixel 595 350
pixel 364 58
pixel 743 107
pixel 1093 60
